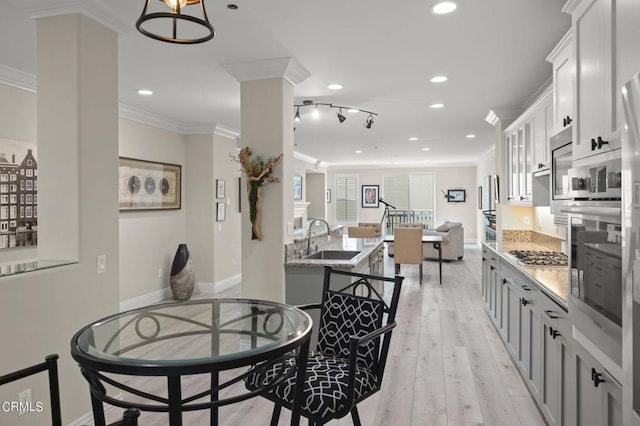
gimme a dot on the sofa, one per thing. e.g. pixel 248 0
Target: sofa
pixel 452 234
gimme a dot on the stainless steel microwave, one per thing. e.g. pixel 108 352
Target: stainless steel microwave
pixel 560 145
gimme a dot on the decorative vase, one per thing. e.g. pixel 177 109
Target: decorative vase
pixel 182 278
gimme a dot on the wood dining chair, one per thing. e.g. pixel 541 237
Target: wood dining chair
pixel 361 232
pixel 408 248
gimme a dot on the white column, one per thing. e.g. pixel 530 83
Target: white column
pixel 266 89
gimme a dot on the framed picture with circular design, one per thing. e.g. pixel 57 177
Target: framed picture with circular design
pixel 148 185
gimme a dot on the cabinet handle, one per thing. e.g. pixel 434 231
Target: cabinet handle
pixel 522 198
pixel 523 301
pixel 509 198
pixel 492 267
pixel 550 314
pixel 525 288
pixel 554 333
pixel 601 142
pixel 504 281
pixel 596 377
pixel 540 165
pixel 569 120
pixel 594 144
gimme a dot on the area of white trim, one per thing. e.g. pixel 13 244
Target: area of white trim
pixel 146 299
pixel 225 131
pixel 213 288
pixel 309 159
pixel 18 79
pixel 105 13
pixel 562 44
pixel 289 69
pixel 609 365
pixel 87 418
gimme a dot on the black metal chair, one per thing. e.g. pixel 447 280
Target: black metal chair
pixel 353 342
pixel 130 417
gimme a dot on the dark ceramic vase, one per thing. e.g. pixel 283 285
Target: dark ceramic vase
pixel 182 279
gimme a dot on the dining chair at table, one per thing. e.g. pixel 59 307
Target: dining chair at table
pixel 408 248
pixel 361 232
pixel 347 366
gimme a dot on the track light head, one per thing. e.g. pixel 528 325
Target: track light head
pixel 369 122
pixel 297 116
pixel 341 117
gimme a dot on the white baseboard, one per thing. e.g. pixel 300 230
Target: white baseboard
pixel 165 293
pixel 87 418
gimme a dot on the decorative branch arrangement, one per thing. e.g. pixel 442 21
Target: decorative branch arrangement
pixel 258 174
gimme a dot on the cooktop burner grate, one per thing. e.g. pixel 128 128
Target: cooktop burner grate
pixel 540 258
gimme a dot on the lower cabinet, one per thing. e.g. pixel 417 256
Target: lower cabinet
pixel 568 384
pixel 598 395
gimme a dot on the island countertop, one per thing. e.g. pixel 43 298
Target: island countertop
pixel 553 281
pixel 365 246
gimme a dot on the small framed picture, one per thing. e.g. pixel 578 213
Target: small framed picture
pixel 370 196
pixel 220 212
pixel 297 187
pixel 328 196
pixel 219 188
pixel 479 198
pixel 456 195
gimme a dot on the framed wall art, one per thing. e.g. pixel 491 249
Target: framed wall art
pixel 219 188
pixel 297 187
pixel 456 195
pixel 221 212
pixel 149 185
pixel 370 196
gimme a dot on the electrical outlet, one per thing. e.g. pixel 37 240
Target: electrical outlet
pixel 525 220
pixel 160 273
pixel 101 264
pixel 24 402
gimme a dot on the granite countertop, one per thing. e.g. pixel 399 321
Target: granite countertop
pixel 365 246
pixel 553 281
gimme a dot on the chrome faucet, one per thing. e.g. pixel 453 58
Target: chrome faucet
pixel 309 233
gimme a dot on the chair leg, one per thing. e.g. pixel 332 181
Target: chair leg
pixel 420 273
pixel 397 268
pixel 276 414
pixel 355 416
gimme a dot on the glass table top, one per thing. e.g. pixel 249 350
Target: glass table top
pixel 208 330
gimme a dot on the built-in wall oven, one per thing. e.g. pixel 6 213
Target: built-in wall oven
pixel 560 145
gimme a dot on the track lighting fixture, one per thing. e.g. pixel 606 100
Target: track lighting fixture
pixel 196 24
pixel 369 121
pixel 341 118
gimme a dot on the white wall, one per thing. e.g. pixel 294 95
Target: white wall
pixel 149 239
pixel 486 166
pixel 445 178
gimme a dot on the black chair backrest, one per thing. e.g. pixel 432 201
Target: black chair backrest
pixel 356 310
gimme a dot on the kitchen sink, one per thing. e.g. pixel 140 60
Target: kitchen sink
pixel 334 255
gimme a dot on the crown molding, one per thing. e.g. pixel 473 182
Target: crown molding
pixel 104 12
pixel 289 69
pixel 19 79
pixel 309 159
pixel 562 44
pixel 491 151
pixel 570 6
pixel 225 131
pixel 156 120
pixel 496 114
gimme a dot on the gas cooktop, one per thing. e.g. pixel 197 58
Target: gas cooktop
pixel 540 258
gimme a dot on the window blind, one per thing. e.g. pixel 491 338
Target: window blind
pixel 346 199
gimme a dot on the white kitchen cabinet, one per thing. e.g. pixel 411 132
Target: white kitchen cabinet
pixel 519 162
pixel 563 64
pixel 541 127
pixel 598 395
pixel 595 104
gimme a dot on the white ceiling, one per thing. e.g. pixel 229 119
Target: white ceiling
pixel 383 52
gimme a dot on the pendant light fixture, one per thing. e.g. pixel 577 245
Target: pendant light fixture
pixel 175 21
pixel 341 118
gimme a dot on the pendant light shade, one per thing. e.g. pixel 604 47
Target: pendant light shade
pixel 175 21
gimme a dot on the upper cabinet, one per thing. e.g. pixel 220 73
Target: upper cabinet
pixel 541 130
pixel 561 58
pixel 593 25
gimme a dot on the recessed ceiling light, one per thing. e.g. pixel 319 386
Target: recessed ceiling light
pixel 471 136
pixel 443 7
pixel 435 106
pixel 439 79
pixel 353 110
pixel 335 86
pixel 426 149
pixel 358 152
pixel 145 92
pixel 413 139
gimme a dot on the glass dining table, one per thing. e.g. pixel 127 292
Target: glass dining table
pixel 199 337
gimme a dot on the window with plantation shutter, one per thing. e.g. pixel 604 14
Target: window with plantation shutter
pixel 346 199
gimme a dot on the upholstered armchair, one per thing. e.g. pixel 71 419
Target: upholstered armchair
pixel 452 234
pixel 376 225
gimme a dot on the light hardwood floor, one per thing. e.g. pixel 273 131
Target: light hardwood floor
pixel 447 364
